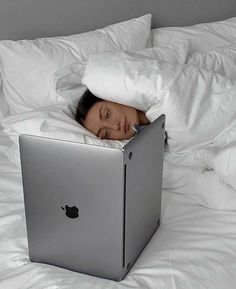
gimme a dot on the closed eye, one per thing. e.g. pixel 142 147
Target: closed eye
pixel 108 113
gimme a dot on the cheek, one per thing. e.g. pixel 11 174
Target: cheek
pixel 132 115
pixel 91 125
pixel 120 135
pixel 117 135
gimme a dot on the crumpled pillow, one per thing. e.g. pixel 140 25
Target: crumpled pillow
pixel 66 82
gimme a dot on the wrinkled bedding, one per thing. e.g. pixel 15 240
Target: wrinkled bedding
pixel 195 246
pixel 199 100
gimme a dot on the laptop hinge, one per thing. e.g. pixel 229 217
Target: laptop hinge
pixel 124 216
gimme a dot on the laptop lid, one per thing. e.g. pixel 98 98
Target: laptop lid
pixel 74 205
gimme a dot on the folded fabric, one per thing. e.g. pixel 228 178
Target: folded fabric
pixel 221 157
pixel 66 83
pixel 204 186
pixel 27 65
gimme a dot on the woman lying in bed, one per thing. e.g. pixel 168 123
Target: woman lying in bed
pixel 108 120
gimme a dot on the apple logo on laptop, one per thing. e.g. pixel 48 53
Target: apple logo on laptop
pixel 71 212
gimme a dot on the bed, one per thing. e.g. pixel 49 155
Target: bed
pixel 195 246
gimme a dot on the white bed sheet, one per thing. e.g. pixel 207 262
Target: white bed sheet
pixel 195 247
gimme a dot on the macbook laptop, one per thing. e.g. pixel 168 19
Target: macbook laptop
pixel 89 208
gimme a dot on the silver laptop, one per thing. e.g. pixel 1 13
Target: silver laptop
pixel 89 208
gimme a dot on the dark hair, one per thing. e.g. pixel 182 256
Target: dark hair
pixel 84 104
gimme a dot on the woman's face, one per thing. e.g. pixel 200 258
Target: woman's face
pixel 111 120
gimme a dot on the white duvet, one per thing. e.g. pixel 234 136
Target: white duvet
pixel 199 100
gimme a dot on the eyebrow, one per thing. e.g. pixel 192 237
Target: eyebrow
pixel 100 117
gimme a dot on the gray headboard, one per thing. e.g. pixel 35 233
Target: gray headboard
pixel 20 19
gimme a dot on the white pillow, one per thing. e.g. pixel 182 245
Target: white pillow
pixel 66 82
pixel 203 36
pixel 27 65
pixel 107 76
pixel 221 60
pixel 52 122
